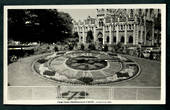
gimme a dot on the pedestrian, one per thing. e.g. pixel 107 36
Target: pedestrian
pixel 59 92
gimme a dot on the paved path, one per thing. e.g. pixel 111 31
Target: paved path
pixel 20 74
pixel 150 74
pixel 27 85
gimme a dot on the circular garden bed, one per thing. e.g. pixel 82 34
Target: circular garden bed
pixel 89 68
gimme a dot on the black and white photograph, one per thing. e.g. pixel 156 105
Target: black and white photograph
pixel 85 54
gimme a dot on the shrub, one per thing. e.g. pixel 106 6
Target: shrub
pixel 81 46
pixel 86 80
pixel 118 47
pixel 71 46
pixel 111 48
pixel 98 46
pixel 91 47
pixel 55 48
pixel 47 47
pixel 105 48
pixel 49 73
pixel 66 47
pixel 124 51
pixel 41 61
pixel 75 46
pixel 122 74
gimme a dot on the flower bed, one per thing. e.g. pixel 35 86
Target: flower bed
pixel 86 63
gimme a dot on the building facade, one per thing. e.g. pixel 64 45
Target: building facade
pixel 111 26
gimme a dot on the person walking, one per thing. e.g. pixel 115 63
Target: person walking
pixel 59 94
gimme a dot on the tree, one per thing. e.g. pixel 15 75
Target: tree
pixel 76 36
pixel 45 25
pixel 16 24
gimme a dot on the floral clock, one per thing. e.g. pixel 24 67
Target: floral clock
pixel 86 68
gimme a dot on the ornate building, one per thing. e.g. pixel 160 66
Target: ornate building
pixel 111 26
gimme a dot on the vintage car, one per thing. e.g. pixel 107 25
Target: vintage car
pixel 152 53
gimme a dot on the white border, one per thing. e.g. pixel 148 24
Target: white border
pixel 127 6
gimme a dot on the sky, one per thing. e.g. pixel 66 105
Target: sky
pixel 80 14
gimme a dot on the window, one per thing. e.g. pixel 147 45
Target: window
pixel 140 11
pixel 130 39
pixel 81 38
pixel 114 39
pixel 131 13
pixel 122 40
pixel 129 26
pixel 102 23
pixel 107 39
pixel 121 27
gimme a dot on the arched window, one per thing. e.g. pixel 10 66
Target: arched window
pixel 129 26
pixel 130 39
pixel 114 39
pixel 99 24
pixel 102 23
pixel 121 27
pixel 107 39
pixel 140 11
pixel 100 37
pixel 131 13
pixel 89 37
pixel 81 38
pixel 122 40
pixel 148 36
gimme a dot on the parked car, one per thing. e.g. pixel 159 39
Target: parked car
pixel 149 49
pixel 146 54
pixel 156 49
